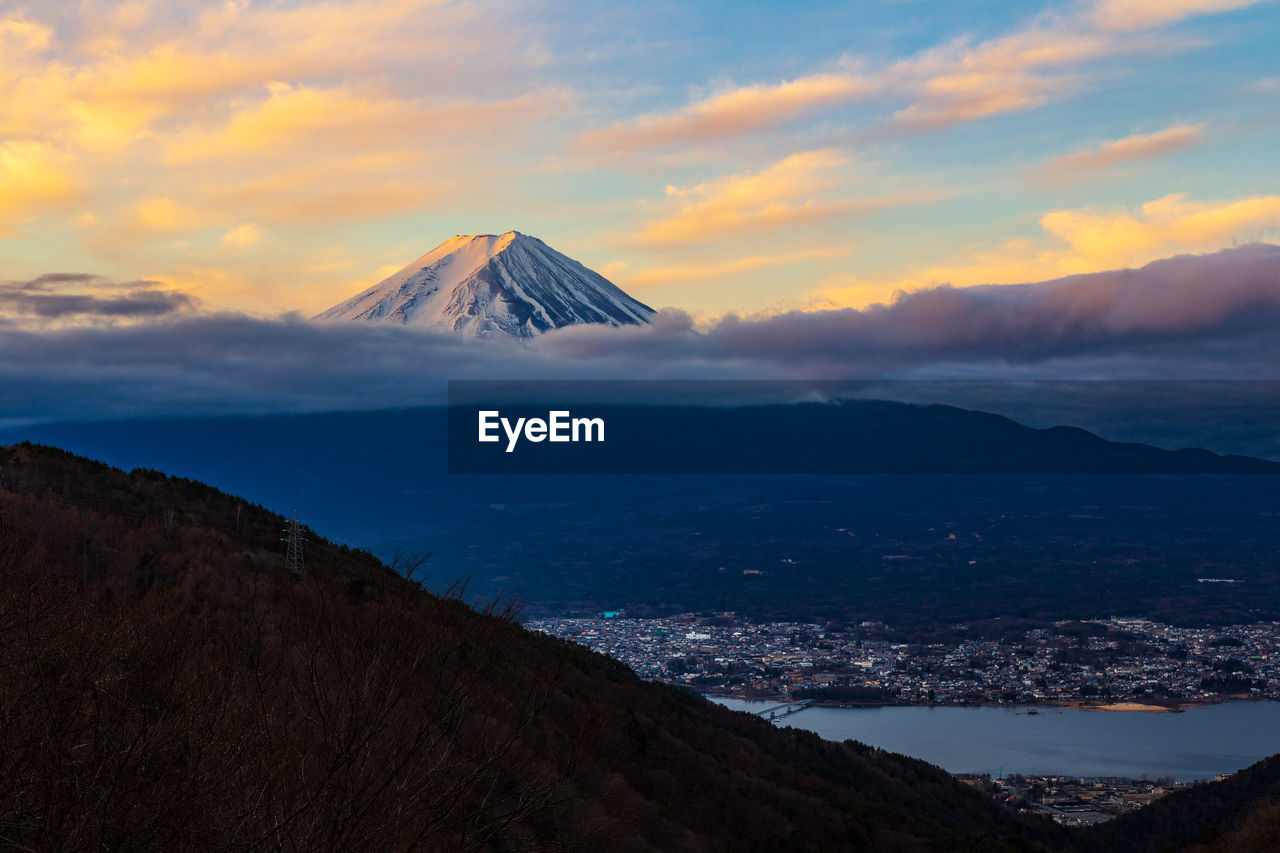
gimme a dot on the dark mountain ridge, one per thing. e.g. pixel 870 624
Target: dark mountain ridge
pixel 850 437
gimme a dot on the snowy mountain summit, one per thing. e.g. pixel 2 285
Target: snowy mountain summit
pixel 484 285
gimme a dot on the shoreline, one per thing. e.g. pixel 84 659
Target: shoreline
pixel 1122 707
pixel 1135 707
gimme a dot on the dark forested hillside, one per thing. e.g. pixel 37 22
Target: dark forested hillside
pixel 1237 813
pixel 165 683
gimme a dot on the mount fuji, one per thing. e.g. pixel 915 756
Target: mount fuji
pixel 486 285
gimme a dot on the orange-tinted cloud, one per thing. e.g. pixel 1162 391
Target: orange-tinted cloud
pixel 1081 241
pixel 294 119
pixel 203 84
pixel 961 81
pixel 34 177
pixel 731 112
pixel 792 191
pixel 173 138
pixel 309 155
pixel 164 215
pixel 1137 147
pixel 954 82
pixel 1163 226
pixel 1130 15
pixel 20 34
pixel 242 236
pixel 698 272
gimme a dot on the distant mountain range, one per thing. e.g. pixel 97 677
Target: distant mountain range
pixel 1055 544
pixel 483 285
pixel 850 437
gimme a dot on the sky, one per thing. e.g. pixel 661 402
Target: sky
pixel 754 159
pixel 894 190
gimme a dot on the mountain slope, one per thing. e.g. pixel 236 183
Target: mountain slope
pixel 168 685
pixel 488 284
pixel 1238 813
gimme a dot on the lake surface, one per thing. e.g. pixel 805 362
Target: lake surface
pixel 1196 744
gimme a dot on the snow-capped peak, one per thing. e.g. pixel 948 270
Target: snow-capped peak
pixel 482 284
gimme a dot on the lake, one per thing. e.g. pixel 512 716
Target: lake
pixel 1196 744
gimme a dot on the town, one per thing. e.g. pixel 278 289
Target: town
pixel 1073 801
pixel 1126 662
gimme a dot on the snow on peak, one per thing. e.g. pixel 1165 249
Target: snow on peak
pixel 484 284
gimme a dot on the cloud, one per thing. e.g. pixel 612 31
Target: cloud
pixel 136 71
pixel 1190 315
pixel 343 119
pixel 242 236
pixel 165 216
pixel 954 82
pixel 1193 316
pixel 183 122
pixel 58 298
pixel 731 112
pixel 694 272
pixel 25 36
pixel 1140 146
pixel 1174 221
pixel 33 178
pixel 317 156
pixel 1128 15
pixel 1048 58
pixel 783 194
pixel 961 81
pixel 1085 240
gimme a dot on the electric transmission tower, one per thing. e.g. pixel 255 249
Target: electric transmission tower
pixel 293 553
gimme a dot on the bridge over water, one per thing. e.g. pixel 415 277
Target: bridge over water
pixel 786 709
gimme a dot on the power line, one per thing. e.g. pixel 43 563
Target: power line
pixel 293 553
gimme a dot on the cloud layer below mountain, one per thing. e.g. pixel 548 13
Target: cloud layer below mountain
pixel 1206 316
